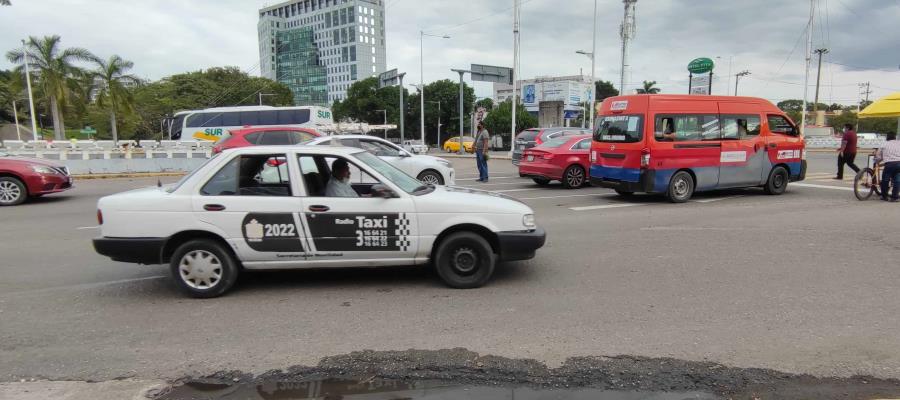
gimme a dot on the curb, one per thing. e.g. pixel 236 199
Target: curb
pixel 127 175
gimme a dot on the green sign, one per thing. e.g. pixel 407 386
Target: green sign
pixel 700 65
pixel 88 131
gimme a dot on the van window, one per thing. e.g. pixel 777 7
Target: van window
pixel 740 126
pixel 689 127
pixel 781 125
pixel 619 128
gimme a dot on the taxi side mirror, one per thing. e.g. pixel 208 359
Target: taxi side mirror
pixel 383 191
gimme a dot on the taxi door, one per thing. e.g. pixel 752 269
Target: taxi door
pixel 362 231
pixel 743 147
pixel 252 200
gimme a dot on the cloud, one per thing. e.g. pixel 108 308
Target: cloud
pixel 165 37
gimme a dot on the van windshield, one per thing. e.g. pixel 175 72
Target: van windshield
pixel 619 128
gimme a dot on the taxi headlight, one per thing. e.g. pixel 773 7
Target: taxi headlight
pixel 528 221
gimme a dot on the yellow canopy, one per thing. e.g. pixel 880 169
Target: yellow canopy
pixel 887 106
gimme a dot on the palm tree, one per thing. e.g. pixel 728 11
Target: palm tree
pixel 112 91
pixel 649 88
pixel 53 68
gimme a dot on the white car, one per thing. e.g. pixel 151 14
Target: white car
pixel 264 207
pixel 428 169
pixel 415 146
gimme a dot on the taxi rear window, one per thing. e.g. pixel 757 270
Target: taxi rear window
pixel 619 129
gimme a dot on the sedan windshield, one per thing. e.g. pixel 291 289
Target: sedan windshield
pixel 556 142
pixel 407 183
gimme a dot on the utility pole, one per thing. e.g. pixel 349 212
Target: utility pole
pixel 438 145
pixel 858 105
pixel 16 118
pixel 737 78
pixel 402 108
pixel 626 33
pixel 34 131
pixel 385 122
pixel 462 120
pixel 809 33
pixel 515 72
pixel 593 70
pixel 820 52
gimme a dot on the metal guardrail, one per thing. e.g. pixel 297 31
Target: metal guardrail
pixel 824 142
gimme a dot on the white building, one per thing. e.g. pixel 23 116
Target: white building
pixel 320 47
pixel 553 99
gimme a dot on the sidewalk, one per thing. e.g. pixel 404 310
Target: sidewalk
pixel 494 155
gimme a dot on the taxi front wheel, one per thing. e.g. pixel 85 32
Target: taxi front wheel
pixel 203 268
pixel 464 260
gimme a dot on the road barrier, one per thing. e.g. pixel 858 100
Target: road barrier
pixel 103 157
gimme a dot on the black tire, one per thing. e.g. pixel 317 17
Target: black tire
pixel 574 177
pixel 216 257
pixel 12 191
pixel 777 182
pixel 432 176
pixel 681 187
pixel 864 185
pixel 541 181
pixel 624 193
pixel 464 260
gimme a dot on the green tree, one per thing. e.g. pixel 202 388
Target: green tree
pixel 112 92
pixel 6 95
pixel 446 92
pixel 53 71
pixel 499 120
pixel 604 89
pixel 487 103
pixel 649 88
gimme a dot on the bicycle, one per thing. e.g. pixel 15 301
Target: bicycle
pixel 868 180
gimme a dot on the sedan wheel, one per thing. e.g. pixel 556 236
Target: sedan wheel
pixel 431 177
pixel 573 177
pixel 204 268
pixel 12 191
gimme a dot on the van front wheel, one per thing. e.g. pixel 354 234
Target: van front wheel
pixel 778 181
pixel 681 187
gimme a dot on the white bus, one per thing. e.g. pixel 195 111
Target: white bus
pixel 211 123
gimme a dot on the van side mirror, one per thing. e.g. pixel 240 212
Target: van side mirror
pixel 383 191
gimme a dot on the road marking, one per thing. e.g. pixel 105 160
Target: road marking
pixel 605 206
pixel 717 199
pixel 87 227
pixel 516 190
pixel 493 177
pixel 570 195
pixel 811 185
pixel 478 185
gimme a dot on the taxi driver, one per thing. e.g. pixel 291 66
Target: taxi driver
pixel 339 183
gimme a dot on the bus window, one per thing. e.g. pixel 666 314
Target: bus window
pixel 679 128
pixel 200 120
pixel 619 128
pixel 268 117
pixel 249 118
pixel 231 119
pixel 739 126
pixel 285 117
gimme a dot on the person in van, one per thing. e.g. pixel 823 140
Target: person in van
pixel 890 156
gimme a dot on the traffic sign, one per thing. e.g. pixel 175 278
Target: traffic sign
pixel 388 78
pixel 490 73
pixel 700 65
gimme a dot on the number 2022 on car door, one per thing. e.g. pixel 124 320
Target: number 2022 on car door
pixel 360 232
pixel 272 232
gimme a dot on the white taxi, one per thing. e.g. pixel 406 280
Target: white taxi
pixel 265 207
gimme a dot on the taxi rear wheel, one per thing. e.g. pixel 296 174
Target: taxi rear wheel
pixel 464 260
pixel 203 268
pixel 777 182
pixel 681 187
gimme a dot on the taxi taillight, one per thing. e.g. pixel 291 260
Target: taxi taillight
pixel 645 158
pixel 99 217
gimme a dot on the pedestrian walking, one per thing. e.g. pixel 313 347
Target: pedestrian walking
pixel 890 156
pixel 847 151
pixel 481 152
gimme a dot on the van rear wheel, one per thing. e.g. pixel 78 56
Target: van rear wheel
pixel 681 187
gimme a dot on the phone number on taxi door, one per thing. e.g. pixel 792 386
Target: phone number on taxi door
pixel 372 237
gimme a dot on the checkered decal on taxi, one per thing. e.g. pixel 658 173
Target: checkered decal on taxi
pixel 402 232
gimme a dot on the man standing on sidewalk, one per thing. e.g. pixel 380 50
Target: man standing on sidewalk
pixel 890 156
pixel 847 152
pixel 481 152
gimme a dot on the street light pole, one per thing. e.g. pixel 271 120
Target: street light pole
pixel 422 35
pixel 593 88
pixel 462 120
pixel 737 78
pixel 438 145
pixel 385 122
pixel 30 96
pixel 593 71
pixel 402 109
pixel 261 94
pixel 16 120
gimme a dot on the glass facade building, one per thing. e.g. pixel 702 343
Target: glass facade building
pixel 297 66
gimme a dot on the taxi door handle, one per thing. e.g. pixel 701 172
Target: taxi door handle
pixel 213 207
pixel 318 208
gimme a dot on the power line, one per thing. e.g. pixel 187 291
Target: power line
pixel 480 18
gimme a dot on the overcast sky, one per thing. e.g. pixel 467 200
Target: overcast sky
pixel 165 37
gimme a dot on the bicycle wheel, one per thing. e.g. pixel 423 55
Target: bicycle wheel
pixel 864 184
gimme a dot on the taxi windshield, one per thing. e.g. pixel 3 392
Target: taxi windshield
pixel 407 183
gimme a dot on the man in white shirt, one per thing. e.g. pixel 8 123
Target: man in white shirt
pixel 339 183
pixel 889 155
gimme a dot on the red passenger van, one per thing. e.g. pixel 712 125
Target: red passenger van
pixel 679 144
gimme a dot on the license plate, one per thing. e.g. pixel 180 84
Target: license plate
pixel 530 158
pixel 521 147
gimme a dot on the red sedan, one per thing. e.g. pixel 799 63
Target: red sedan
pixel 565 159
pixel 24 177
pixel 272 135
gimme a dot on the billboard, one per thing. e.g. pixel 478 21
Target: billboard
pixel 531 94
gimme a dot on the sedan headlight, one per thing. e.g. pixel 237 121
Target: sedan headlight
pixel 44 170
pixel 528 221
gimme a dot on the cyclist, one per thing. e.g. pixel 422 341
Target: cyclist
pixel 890 156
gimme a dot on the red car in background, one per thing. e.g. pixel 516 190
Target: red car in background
pixel 24 177
pixel 272 135
pixel 565 159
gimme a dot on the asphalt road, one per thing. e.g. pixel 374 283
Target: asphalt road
pixel 805 282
